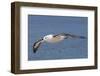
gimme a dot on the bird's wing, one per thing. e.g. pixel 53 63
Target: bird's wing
pixel 66 36
pixel 36 45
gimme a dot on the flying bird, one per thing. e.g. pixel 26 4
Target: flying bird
pixel 51 38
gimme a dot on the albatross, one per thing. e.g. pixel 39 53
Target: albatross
pixel 51 38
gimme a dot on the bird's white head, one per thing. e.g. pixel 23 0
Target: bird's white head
pixel 47 37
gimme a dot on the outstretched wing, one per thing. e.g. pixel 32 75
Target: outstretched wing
pixel 36 45
pixel 66 36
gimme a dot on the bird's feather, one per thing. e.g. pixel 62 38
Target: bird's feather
pixel 36 45
pixel 56 38
pixel 66 36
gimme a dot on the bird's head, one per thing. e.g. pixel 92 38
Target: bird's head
pixel 47 37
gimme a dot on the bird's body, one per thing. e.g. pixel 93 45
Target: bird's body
pixel 51 39
pixel 54 39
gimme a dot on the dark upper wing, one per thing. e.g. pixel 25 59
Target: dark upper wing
pixel 70 36
pixel 36 45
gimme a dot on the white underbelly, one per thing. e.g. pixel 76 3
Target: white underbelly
pixel 54 40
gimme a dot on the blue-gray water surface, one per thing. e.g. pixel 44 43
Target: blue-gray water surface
pixel 39 26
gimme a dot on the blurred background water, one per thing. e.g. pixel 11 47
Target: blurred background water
pixel 39 26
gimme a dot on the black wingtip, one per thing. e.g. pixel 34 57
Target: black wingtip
pixel 34 50
pixel 82 37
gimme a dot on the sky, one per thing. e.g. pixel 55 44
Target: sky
pixel 41 25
